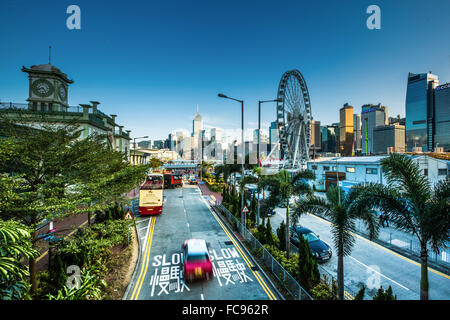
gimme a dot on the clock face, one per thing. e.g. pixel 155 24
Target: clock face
pixel 42 88
pixel 62 92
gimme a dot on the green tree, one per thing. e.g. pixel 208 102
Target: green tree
pixel 308 269
pixel 337 208
pixel 281 231
pixel 269 234
pixel 283 187
pixel 15 246
pixel 384 294
pixel 57 173
pixel 411 205
pixel 155 163
pixel 361 292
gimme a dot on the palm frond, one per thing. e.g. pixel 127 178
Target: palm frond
pixel 404 174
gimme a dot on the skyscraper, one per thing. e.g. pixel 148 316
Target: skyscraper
pixel 388 136
pixel 346 130
pixel 420 111
pixel 356 133
pixel 442 117
pixel 196 136
pixel 372 116
pixel 273 133
pixel 316 139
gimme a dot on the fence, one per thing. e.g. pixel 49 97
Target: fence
pixel 289 283
pixel 406 242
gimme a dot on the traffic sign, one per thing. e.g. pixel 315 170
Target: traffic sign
pixel 128 216
pixel 245 210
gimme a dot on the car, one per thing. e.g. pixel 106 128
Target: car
pixel 320 249
pixel 197 264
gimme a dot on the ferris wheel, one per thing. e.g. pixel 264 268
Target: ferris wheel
pixel 294 119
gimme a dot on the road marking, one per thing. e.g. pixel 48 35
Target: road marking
pixel 244 257
pixel 137 288
pixel 146 234
pixel 379 273
pixel 143 220
pixel 386 249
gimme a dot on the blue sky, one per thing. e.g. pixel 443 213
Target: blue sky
pixel 152 62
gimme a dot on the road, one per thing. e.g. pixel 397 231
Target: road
pixel 373 265
pixel 186 214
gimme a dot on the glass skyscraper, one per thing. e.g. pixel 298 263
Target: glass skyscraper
pixel 420 111
pixel 442 117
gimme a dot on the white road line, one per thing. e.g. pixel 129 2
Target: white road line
pixel 143 220
pixel 146 235
pixel 379 273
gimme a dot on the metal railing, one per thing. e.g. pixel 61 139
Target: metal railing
pixel 278 271
pixel 408 243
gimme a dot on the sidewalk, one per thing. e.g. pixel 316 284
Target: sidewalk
pixel 207 192
pixel 64 228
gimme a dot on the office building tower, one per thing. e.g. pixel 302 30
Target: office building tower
pixel 356 133
pixel 371 116
pixel 273 133
pixel 330 138
pixel 316 139
pixel 216 134
pixel 442 117
pixel 388 138
pixel 419 126
pixel 171 141
pixel 346 130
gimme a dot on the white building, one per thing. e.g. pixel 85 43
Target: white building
pixel 354 170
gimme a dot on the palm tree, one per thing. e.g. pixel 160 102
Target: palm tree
pixel 284 186
pixel 412 205
pixel 15 245
pixel 337 208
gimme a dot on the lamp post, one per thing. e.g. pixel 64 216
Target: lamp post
pixel 259 125
pixel 220 95
pixel 258 159
pixel 134 146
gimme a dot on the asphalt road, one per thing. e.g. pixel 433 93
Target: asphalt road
pixel 374 265
pixel 186 214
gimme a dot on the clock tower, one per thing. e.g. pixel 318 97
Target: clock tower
pixel 48 88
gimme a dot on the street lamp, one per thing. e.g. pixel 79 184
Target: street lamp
pixel 257 145
pixel 134 146
pixel 220 95
pixel 259 125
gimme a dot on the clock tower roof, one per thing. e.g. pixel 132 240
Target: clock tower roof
pixel 47 69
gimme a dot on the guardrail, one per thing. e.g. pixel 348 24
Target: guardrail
pixel 289 283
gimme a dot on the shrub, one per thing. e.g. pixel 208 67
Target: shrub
pixel 384 294
pixel 281 234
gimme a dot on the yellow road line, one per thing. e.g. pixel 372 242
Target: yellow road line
pixel 387 250
pixel 145 261
pixel 249 264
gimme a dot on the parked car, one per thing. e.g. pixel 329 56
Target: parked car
pixel 196 261
pixel 320 249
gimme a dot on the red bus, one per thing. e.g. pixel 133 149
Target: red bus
pixel 173 180
pixel 151 195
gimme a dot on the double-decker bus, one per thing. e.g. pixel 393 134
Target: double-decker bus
pixel 151 194
pixel 172 180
